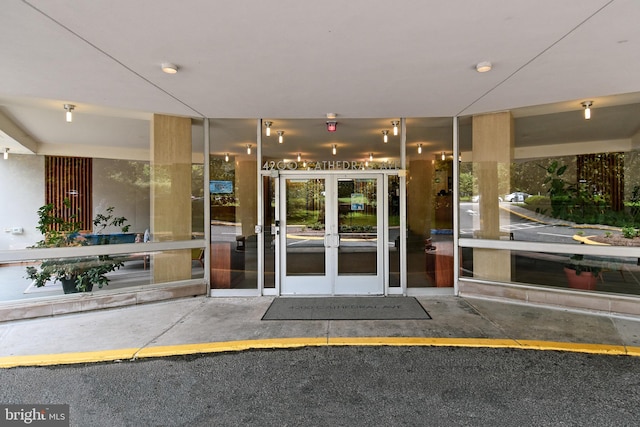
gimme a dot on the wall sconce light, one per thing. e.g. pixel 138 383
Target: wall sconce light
pixel 587 109
pixel 385 136
pixel 443 156
pixel 226 157
pixel 299 157
pixel 334 149
pixel 248 148
pixel 395 124
pixel 280 137
pixel 267 125
pixel 69 114
pixel 6 153
pixel 419 148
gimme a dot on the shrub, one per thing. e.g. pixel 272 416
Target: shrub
pixel 537 201
pixel 629 232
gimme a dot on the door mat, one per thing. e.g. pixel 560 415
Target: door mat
pixel 346 308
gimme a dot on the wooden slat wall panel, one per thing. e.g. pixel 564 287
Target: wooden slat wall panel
pixel 70 177
pixel 604 174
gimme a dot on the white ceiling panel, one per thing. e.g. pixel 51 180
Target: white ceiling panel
pixel 300 59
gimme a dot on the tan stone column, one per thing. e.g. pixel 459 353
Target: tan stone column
pixel 171 194
pixel 493 140
pixel 419 201
pixel 246 183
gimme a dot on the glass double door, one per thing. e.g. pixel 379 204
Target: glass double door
pixel 331 234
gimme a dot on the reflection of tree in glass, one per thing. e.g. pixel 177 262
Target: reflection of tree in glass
pixel 220 170
pixel 305 202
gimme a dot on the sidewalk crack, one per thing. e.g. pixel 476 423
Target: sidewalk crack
pixel 167 329
pixel 494 324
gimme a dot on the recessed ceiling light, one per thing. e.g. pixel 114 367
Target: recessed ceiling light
pixel 483 67
pixel 169 68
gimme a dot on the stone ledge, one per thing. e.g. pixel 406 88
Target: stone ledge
pixel 609 304
pixel 75 303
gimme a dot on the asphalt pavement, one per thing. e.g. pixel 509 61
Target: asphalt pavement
pixel 342 386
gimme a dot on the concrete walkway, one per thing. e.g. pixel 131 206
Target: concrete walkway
pixel 205 325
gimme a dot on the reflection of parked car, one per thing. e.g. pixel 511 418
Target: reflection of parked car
pixel 476 199
pixel 517 196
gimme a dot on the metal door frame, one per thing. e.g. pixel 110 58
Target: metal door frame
pixel 331 177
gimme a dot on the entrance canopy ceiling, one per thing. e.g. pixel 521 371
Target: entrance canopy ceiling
pixel 291 59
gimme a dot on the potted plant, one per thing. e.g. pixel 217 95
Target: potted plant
pixel 581 273
pixel 77 274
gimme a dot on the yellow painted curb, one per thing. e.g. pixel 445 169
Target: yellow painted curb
pixel 633 351
pixel 521 215
pixel 228 346
pixel 67 358
pixel 587 241
pixel 286 343
pixel 423 341
pixel 575 347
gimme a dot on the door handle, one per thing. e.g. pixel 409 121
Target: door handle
pixel 326 240
pixel 337 240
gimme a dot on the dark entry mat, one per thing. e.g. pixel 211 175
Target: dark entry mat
pixel 346 308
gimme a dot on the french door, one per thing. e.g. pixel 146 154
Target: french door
pixel 331 234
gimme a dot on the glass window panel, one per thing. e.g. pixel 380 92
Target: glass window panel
pixel 619 275
pixel 357 226
pixel 393 225
pixel 269 232
pixel 233 188
pixel 120 271
pixel 305 220
pixel 429 202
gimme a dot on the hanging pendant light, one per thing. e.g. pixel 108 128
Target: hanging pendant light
pixel 69 115
pixel 267 131
pixel 385 136
pixel 587 109
pixel 395 124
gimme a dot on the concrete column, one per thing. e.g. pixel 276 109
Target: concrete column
pixel 493 141
pixel 171 194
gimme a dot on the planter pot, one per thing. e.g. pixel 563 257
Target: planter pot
pixel 69 286
pixel 586 280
